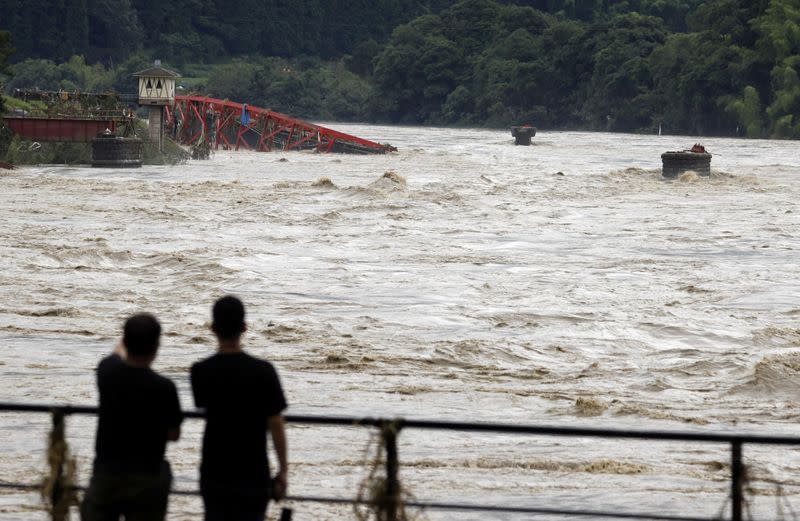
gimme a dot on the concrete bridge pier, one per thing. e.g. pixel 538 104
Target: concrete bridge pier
pixel 109 150
pixel 523 134
pixel 155 125
pixel 676 163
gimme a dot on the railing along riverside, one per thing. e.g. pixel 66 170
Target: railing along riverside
pixel 388 507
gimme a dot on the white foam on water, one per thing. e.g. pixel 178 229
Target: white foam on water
pixel 460 278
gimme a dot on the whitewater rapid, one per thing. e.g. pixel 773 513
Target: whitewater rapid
pixel 461 278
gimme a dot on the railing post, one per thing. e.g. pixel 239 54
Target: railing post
pixel 56 489
pixel 737 481
pixel 390 430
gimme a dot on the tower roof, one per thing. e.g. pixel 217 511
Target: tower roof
pixel 157 72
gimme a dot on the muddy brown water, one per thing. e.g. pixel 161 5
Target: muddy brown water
pixel 462 278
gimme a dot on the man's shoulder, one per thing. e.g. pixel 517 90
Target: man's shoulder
pixel 242 358
pixel 260 365
pixel 109 367
pixel 200 365
pixel 257 361
pixel 110 361
pixel 164 381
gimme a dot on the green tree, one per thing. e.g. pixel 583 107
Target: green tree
pixel 674 13
pixel 36 74
pixel 114 32
pixel 471 23
pixel 514 17
pixel 784 111
pixel 74 74
pixel 233 80
pixel 459 106
pixel 748 112
pixel 511 72
pixel 778 29
pixel 617 91
pixel 76 28
pixel 727 21
pixel 121 76
pixel 5 51
pixel 14 20
pixel 417 70
pixel 362 57
pixel 695 77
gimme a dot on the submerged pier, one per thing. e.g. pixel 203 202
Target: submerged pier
pixel 523 134
pixel 695 160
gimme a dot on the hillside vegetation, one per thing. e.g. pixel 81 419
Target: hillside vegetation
pixel 716 67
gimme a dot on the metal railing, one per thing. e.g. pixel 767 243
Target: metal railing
pixel 389 505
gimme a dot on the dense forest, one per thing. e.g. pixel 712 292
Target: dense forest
pixel 200 31
pixel 714 67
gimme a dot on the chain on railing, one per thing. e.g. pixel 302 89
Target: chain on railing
pixel 388 503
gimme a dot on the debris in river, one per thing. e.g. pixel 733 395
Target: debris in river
pixel 590 406
pixel 201 150
pixel 395 177
pixel 323 182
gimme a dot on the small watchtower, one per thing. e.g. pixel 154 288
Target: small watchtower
pixel 157 90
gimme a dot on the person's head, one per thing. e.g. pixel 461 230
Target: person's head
pixel 140 335
pixel 228 318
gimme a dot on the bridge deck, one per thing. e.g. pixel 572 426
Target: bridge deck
pixel 67 128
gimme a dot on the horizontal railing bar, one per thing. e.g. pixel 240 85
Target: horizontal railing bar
pixel 554 511
pixel 507 510
pixel 38 407
pixel 436 506
pixel 21 486
pixel 717 437
pixel 499 428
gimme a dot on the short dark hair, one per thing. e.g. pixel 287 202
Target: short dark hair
pixel 140 334
pixel 228 316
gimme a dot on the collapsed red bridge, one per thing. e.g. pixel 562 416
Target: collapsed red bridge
pixel 232 126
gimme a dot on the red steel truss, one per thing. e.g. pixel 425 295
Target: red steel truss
pixel 233 126
pixel 74 128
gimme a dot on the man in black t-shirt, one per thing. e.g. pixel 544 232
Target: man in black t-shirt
pixel 139 413
pixel 243 399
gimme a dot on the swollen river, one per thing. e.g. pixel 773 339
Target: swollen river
pixel 461 278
